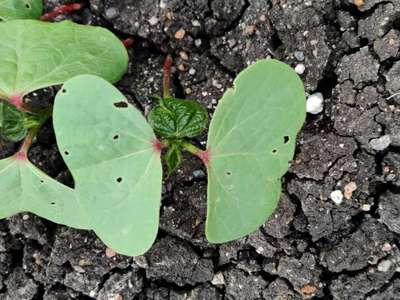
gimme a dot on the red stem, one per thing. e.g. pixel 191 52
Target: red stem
pixel 63 9
pixel 22 154
pixel 128 42
pixel 167 77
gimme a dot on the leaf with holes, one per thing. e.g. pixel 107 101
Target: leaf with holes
pixel 251 140
pixel 178 118
pixel 20 9
pixel 114 160
pixel 36 54
pixel 24 188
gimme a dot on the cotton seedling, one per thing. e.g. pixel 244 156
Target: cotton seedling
pixel 116 158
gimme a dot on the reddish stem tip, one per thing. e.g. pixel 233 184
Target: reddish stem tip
pixel 63 9
pixel 157 146
pixel 168 64
pixel 128 42
pixel 205 156
pixel 17 100
pixel 21 155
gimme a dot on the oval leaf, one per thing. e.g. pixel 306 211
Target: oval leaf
pixel 178 118
pixel 109 148
pixel 24 188
pixel 36 54
pixel 20 9
pixel 251 139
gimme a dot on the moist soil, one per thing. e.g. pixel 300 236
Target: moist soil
pixel 313 247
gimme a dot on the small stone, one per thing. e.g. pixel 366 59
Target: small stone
pixel 25 217
pixel 218 279
pixel 180 34
pixel 153 21
pixel 381 143
pixel 111 13
pixel 183 55
pixel 308 289
pixel 196 23
pixel 192 71
pixel 188 91
pixel 198 174
pixel 386 247
pixel 359 3
pixel 110 253
pixel 366 207
pixel 263 18
pixel 337 196
pixel 197 43
pixel 384 265
pixel 118 297
pixel 315 103
pixel 299 69
pixel 92 294
pixel 299 55
pixel 250 30
pixel 181 68
pixel 349 189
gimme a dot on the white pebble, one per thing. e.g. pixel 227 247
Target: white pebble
pixel 384 265
pixel 218 279
pixel 153 21
pixel 381 143
pixel 192 71
pixel 337 196
pixel 366 207
pixel 197 43
pixel 299 69
pixel 196 23
pixel 315 103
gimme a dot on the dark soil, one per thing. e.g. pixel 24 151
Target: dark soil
pixel 313 247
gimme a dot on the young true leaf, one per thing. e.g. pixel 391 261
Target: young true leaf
pixel 176 118
pixel 251 139
pixel 24 188
pixel 113 156
pixel 20 9
pixel 173 158
pixel 12 123
pixel 36 54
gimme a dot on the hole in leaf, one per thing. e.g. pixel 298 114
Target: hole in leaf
pixel 27 5
pixel 41 181
pixel 286 139
pixel 66 153
pixel 64 91
pixel 52 203
pixel 121 104
pixel 228 173
pixel 119 179
pixel 274 151
pixel 116 137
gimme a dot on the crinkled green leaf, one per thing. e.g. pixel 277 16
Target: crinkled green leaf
pixel 251 140
pixel 173 158
pixel 109 149
pixel 20 9
pixel 12 123
pixel 36 54
pixel 177 118
pixel 24 188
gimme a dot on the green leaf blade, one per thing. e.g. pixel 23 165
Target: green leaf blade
pixel 177 118
pixel 251 140
pixel 20 9
pixel 116 168
pixel 24 188
pixel 36 54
